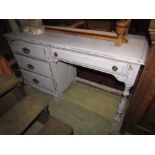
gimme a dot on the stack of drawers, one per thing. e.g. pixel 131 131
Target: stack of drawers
pixel 32 60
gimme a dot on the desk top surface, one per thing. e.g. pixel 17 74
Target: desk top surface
pixel 134 51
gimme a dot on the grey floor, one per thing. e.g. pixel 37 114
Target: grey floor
pixel 89 110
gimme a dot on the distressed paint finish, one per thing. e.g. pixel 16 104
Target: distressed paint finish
pixel 60 50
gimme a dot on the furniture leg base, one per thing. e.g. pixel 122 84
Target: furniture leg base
pixel 118 117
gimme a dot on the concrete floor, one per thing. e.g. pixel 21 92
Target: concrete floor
pixel 89 110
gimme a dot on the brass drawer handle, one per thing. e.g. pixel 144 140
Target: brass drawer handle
pixel 29 66
pixel 35 81
pixel 114 68
pixel 25 50
pixel 55 54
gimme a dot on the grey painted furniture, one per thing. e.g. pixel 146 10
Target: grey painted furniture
pixel 47 61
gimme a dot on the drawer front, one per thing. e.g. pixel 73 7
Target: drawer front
pixel 95 62
pixel 38 80
pixel 29 49
pixel 33 65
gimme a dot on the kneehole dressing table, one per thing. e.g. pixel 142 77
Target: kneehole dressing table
pixel 47 60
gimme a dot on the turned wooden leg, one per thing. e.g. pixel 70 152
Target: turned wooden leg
pixel 123 103
pixel 58 98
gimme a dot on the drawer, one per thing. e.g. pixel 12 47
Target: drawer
pixel 95 62
pixel 29 49
pixel 38 80
pixel 33 65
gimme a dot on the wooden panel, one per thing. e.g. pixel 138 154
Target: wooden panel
pixel 10 99
pixel 148 120
pixel 7 82
pixel 152 31
pixel 5 67
pixel 140 113
pixel 21 116
pixel 56 127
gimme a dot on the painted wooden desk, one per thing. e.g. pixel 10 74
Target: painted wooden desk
pixel 47 61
